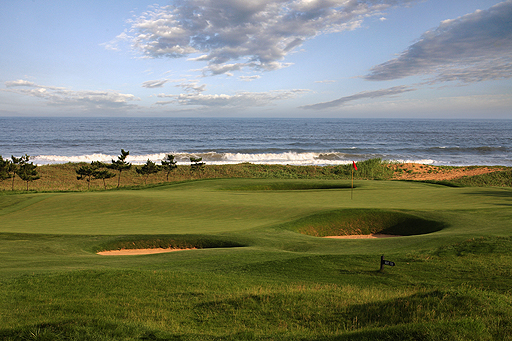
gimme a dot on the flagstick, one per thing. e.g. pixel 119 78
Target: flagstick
pixel 352 189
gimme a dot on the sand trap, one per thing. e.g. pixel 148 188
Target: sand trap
pixel 363 236
pixel 129 252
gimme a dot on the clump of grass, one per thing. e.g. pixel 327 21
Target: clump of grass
pixel 494 179
pixel 374 169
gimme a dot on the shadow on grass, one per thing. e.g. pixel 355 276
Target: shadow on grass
pixel 500 193
pixel 288 186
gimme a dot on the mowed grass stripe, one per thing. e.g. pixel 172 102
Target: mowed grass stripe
pixel 197 209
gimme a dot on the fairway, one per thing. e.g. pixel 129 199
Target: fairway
pixel 257 273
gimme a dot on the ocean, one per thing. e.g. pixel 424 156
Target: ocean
pixel 51 140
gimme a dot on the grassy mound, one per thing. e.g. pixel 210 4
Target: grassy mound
pixel 362 222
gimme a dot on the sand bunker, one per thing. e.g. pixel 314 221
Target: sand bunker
pixel 129 252
pixel 363 236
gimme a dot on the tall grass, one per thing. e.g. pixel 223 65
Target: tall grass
pixel 62 177
pixel 494 179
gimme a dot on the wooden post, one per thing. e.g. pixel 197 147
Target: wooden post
pixel 385 262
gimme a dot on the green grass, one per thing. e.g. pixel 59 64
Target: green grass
pixel 255 276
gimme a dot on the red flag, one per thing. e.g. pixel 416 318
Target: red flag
pixel 354 164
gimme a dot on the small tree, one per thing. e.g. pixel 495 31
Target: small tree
pixel 27 171
pixel 169 164
pixel 147 169
pixel 4 169
pixel 120 165
pixel 196 163
pixel 13 167
pixel 103 174
pixel 87 172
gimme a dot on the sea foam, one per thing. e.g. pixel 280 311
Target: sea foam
pixel 215 158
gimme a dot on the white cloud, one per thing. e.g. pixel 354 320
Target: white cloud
pixel 192 86
pixel 326 81
pixel 396 90
pixel 154 84
pixel 472 48
pixel 25 83
pixel 19 82
pixel 249 78
pixel 238 100
pixel 234 34
pixel 59 96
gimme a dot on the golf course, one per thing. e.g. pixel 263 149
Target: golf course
pixel 252 260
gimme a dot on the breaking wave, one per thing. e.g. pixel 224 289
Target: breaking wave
pixel 216 158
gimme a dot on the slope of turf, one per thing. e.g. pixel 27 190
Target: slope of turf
pixel 257 277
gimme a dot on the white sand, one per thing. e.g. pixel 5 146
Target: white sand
pixel 363 236
pixel 127 252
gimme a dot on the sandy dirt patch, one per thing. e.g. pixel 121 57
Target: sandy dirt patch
pixel 363 236
pixel 415 171
pixel 129 252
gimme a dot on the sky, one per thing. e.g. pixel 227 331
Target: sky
pixel 257 58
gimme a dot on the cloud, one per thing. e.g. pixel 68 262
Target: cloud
pixel 59 96
pixel 192 86
pixel 154 84
pixel 19 82
pixel 230 35
pixel 472 48
pixel 396 90
pixel 249 78
pixel 238 100
pixel 326 81
pixel 25 83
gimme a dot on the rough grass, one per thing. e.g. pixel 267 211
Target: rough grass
pixel 495 179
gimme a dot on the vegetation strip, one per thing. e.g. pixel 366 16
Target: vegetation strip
pixel 82 176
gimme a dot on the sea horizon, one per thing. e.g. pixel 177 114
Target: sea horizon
pixel 276 140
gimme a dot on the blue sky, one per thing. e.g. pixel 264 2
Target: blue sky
pixel 257 58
